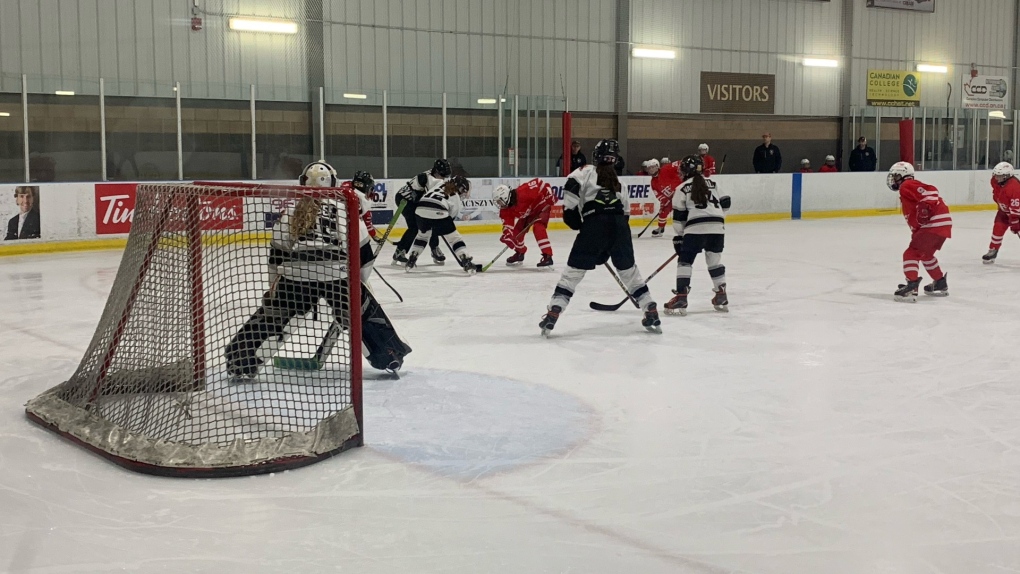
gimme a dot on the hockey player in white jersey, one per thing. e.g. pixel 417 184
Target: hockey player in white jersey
pixel 700 225
pixel 436 210
pixel 597 205
pixel 411 194
pixel 308 262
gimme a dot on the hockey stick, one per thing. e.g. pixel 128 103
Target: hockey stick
pixel 395 292
pixel 507 247
pixel 604 307
pixel 722 165
pixel 389 228
pixel 458 259
pixel 622 286
pixel 655 217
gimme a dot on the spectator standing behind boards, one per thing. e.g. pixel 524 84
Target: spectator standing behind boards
pixel 863 157
pixel 24 225
pixel 767 158
pixel 577 159
pixel 805 166
pixel 829 166
pixel 709 161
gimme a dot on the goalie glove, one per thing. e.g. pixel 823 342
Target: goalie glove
pixel 678 242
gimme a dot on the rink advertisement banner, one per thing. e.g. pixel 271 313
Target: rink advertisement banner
pixel 115 209
pixel 894 88
pixel 738 93
pixel 912 5
pixel 20 212
pixel 986 92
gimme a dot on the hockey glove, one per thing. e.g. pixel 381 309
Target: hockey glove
pixel 678 243
pixel 572 217
pixel 724 202
pixel 509 238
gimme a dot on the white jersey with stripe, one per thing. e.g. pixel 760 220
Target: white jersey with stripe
pixel 418 185
pixel 583 194
pixel 694 218
pixel 436 205
pixel 318 255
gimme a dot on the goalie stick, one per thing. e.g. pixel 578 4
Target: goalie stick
pixel 318 360
pixel 604 307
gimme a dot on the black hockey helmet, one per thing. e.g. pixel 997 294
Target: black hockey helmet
pixel 606 152
pixel 461 183
pixel 363 182
pixel 691 165
pixel 442 168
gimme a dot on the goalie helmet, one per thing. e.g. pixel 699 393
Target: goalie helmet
pixel 363 182
pixel 606 152
pixel 461 184
pixel 442 168
pixel 318 174
pixel 1003 171
pixel 691 165
pixel 502 196
pixel 899 171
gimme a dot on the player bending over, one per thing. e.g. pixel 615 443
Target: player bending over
pixel 595 204
pixel 307 262
pixel 411 193
pixel 529 204
pixel 1005 194
pixel 435 214
pixel 700 225
pixel 930 223
pixel 665 181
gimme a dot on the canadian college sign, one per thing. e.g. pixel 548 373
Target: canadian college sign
pixel 738 93
pixel 894 88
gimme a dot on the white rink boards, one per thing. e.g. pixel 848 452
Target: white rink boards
pixel 817 427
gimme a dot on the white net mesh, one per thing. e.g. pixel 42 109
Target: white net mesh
pixel 195 294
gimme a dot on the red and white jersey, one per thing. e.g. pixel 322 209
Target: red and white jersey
pixel 1007 196
pixel 366 213
pixel 924 209
pixel 667 181
pixel 826 168
pixel 709 165
pixel 532 198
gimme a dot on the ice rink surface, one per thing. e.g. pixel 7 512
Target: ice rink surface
pixel 819 427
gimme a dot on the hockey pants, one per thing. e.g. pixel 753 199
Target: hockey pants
pixel 540 229
pixel 693 244
pixel 665 208
pixel 429 231
pixel 411 219
pixel 921 251
pixel 602 238
pixel 288 299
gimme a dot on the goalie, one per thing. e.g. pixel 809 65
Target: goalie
pixel 308 262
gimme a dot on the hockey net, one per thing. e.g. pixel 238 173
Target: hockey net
pixel 152 392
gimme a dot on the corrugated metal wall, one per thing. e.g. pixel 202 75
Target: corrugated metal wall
pixel 141 47
pixel 748 36
pixel 474 48
pixel 958 33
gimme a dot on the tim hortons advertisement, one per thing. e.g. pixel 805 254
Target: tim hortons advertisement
pixel 738 93
pixel 913 5
pixel 115 210
pixel 985 92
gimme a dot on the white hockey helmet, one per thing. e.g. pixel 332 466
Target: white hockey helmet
pixel 829 158
pixel 664 161
pixel 805 161
pixel 651 166
pixel 501 196
pixel 897 173
pixel 1002 171
pixel 318 174
pixel 703 147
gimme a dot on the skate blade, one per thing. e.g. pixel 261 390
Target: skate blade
pixel 722 308
pixel 546 333
pixel 937 293
pixel 988 261
pixel 676 312
pixel 395 263
pixel 518 264
pixel 438 262
pixel 905 298
pixel 657 329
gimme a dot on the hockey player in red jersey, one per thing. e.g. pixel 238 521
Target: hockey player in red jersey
pixel 1005 194
pixel 930 223
pixel 529 204
pixel 666 179
pixel 707 160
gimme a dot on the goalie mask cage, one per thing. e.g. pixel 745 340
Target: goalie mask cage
pixel 152 392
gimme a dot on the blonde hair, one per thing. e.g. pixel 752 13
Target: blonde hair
pixel 306 212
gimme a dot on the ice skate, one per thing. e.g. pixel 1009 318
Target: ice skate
pixel 651 319
pixel 720 302
pixel 516 259
pixel 437 256
pixel 658 231
pixel 989 258
pixel 907 293
pixel 411 262
pixel 937 288
pixel 678 304
pixel 399 258
pixel 549 319
pixel 469 266
pixel 546 261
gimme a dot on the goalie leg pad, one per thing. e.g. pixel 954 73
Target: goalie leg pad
pixel 382 345
pixel 280 304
